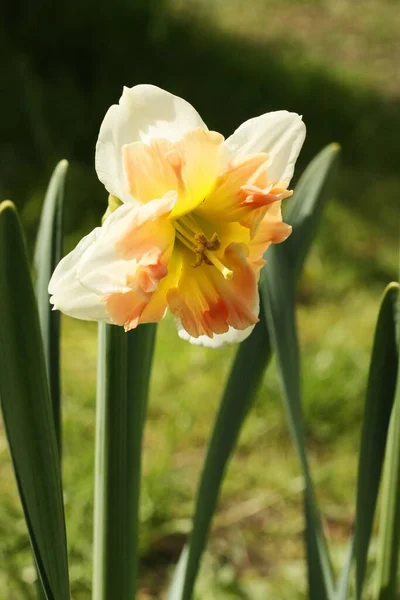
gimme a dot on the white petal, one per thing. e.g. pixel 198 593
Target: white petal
pixel 100 270
pixel 232 336
pixel 68 294
pixel 144 112
pixel 280 134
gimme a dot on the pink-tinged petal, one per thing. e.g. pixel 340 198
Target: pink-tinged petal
pixel 189 167
pixel 271 230
pixel 243 193
pixel 158 305
pixel 148 304
pixel 280 134
pixel 125 309
pixel 207 304
pixel 226 202
pixel 144 113
pixel 130 238
pixel 261 204
pixel 127 263
pixel 219 340
pixel 197 161
pixel 67 293
pixel 149 228
pixel 148 171
pixel 149 274
pixel 257 197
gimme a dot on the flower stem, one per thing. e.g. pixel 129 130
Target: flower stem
pixel 122 389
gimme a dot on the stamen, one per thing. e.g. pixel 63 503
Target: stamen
pixel 182 236
pixel 213 243
pixel 184 240
pixel 192 223
pixel 189 233
pixel 227 273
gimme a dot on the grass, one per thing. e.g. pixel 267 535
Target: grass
pixel 255 549
pixel 357 40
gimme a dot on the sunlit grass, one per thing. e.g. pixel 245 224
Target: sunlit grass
pixel 256 545
pixel 354 40
pixel 257 542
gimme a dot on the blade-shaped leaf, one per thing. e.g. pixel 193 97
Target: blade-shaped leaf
pixel 279 304
pixel 246 373
pixel 312 192
pixel 388 578
pixel 378 407
pixel 342 592
pixel 48 252
pixel 123 377
pixel 27 410
pixel 176 587
pixel 278 284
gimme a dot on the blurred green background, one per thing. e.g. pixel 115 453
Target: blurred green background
pixel 335 62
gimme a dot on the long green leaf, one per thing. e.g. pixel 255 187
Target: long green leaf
pixel 246 374
pixel 48 252
pixel 388 578
pixel 312 192
pixel 279 307
pixel 247 370
pixel 278 285
pixel 123 377
pixel 343 587
pixel 378 407
pixel 178 578
pixel 27 410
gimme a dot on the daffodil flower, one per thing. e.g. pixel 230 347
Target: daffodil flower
pixel 195 215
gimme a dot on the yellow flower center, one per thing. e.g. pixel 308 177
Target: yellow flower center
pixel 199 212
pixel 191 235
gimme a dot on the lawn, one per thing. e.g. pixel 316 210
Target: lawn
pixel 256 546
pixel 255 551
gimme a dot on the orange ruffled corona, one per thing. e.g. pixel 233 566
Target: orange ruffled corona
pixel 197 214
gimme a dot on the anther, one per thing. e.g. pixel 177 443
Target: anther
pixel 213 243
pixel 189 233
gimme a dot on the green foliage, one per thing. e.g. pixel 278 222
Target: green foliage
pixel 27 410
pixel 48 252
pixel 124 369
pixel 123 374
pixel 388 579
pixel 377 411
pixel 252 358
pixel 278 294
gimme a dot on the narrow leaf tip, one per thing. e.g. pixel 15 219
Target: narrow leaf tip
pixel 7 205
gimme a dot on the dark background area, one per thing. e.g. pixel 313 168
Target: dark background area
pixel 65 63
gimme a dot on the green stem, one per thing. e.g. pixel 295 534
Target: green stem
pixel 123 374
